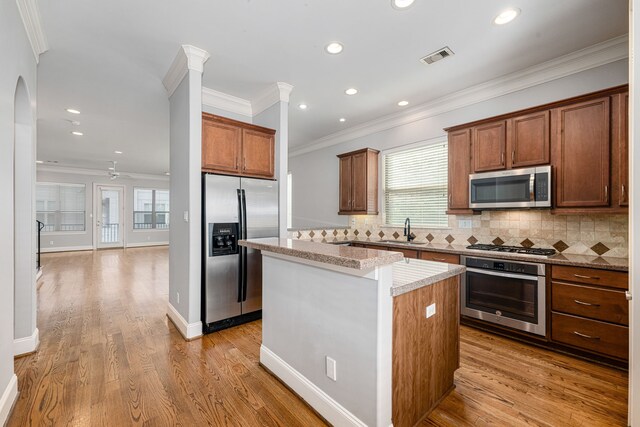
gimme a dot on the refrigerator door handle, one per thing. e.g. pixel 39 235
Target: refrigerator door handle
pixel 244 249
pixel 241 265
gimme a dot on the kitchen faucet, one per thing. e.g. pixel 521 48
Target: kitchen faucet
pixel 407 230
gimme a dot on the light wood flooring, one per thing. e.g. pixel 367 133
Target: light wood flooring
pixel 109 356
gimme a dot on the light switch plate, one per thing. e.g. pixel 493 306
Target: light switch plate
pixel 465 223
pixel 331 368
pixel 431 310
pixel 185 216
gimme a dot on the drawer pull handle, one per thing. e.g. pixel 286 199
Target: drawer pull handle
pixel 438 259
pixel 586 336
pixel 586 303
pixel 580 276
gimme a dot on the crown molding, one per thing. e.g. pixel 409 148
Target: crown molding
pixel 30 14
pixel 188 58
pixel 591 57
pixel 98 172
pixel 278 92
pixel 213 98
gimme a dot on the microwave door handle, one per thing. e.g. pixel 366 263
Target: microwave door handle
pixel 502 274
pixel 532 187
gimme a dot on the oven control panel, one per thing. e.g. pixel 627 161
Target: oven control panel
pixel 500 265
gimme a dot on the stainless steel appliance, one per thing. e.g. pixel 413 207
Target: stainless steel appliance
pixel 234 209
pixel 507 293
pixel 516 188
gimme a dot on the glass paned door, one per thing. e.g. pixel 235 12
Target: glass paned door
pixel 109 217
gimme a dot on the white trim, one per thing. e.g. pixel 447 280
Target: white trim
pixel 278 92
pixel 145 244
pixel 187 330
pixel 188 58
pixel 27 344
pixel 67 249
pixel 326 406
pixel 30 14
pixel 223 101
pixel 594 56
pixel 99 172
pixel 9 396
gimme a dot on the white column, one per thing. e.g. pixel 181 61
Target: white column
pixel 184 86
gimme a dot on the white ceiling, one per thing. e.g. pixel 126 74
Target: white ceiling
pixel 108 58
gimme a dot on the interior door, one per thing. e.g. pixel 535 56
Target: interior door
pixel 109 217
pixel 261 201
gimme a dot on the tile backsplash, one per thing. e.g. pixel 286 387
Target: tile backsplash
pixel 605 234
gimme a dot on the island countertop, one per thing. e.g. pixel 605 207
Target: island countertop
pixel 342 256
pixel 412 274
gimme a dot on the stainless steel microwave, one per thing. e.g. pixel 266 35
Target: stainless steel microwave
pixel 515 188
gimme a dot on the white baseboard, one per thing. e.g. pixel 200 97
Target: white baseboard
pixel 144 244
pixel 27 344
pixel 8 398
pixel 326 406
pixel 67 249
pixel 188 330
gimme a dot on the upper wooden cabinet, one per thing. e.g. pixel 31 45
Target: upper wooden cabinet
pixel 359 182
pixel 528 140
pixel 236 148
pixel 620 144
pixel 459 170
pixel 581 153
pixel 489 146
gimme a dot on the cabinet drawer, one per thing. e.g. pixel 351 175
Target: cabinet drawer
pixel 408 253
pixel 440 257
pixel 594 303
pixel 600 337
pixel 613 279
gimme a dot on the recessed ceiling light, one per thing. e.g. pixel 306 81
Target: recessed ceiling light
pixel 506 16
pixel 334 48
pixel 403 103
pixel 401 4
pixel 303 106
pixel 167 173
pixel 72 111
pixel 39 162
pixel 351 91
pixel 342 120
pixel 76 133
pixel 118 152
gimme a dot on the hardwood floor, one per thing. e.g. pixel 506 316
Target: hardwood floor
pixel 109 356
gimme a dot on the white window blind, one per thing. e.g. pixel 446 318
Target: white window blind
pixel 415 186
pixel 60 207
pixel 151 209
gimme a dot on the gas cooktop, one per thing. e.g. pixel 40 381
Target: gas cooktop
pixel 514 249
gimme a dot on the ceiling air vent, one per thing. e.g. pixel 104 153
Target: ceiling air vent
pixel 437 55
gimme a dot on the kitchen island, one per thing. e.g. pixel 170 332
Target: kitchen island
pixel 365 337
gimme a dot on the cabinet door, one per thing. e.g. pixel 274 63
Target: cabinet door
pixel 345 184
pixel 257 153
pixel 220 147
pixel 359 182
pixel 489 145
pixel 581 145
pixel 528 140
pixel 459 168
pixel 620 160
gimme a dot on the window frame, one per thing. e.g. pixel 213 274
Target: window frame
pixel 153 211
pixel 84 210
pixel 382 189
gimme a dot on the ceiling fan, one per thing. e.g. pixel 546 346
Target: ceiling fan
pixel 113 173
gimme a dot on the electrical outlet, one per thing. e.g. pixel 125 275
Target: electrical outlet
pixel 465 223
pixel 51 242
pixel 178 297
pixel 431 310
pixel 331 368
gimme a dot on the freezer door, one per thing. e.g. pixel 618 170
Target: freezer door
pixel 222 275
pixel 261 200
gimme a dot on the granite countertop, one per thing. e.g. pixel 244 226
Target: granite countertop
pixel 343 256
pixel 604 263
pixel 412 274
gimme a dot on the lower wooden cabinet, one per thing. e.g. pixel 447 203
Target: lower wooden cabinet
pixel 589 310
pixel 408 253
pixel 440 257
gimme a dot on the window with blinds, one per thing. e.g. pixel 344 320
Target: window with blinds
pixel 415 186
pixel 60 207
pixel 150 209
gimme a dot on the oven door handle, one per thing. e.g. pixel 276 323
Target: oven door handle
pixel 501 274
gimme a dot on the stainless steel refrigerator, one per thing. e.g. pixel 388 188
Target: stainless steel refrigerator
pixel 234 209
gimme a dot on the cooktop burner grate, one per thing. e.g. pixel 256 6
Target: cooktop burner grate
pixel 513 249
